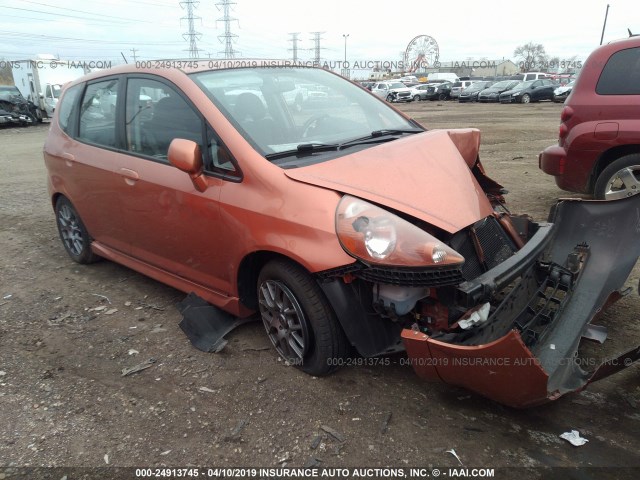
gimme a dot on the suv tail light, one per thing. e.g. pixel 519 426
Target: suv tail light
pixel 567 113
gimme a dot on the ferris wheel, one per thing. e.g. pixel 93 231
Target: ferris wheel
pixel 422 52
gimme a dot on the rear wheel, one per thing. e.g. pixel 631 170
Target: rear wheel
pixel 621 179
pixel 442 96
pixel 73 233
pixel 416 98
pixel 298 318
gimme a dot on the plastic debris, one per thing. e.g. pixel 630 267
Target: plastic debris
pixel 106 458
pixel 138 368
pixel 334 433
pixel 7 297
pixel 478 316
pixel 205 389
pixel 574 438
pixel 111 311
pixel 453 452
pixel 133 352
pixel 385 423
pixel 166 452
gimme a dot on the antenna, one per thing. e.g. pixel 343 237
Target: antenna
pixel 228 38
pixel 191 35
pixel 294 40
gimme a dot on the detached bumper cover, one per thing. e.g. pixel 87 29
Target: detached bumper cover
pixel 525 353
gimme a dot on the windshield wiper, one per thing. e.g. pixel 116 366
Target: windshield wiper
pixel 373 137
pixel 304 148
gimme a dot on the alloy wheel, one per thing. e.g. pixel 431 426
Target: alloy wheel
pixel 70 230
pixel 624 183
pixel 284 320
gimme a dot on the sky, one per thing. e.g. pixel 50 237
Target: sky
pixel 105 30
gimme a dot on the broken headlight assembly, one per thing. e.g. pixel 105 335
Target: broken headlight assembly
pixel 376 236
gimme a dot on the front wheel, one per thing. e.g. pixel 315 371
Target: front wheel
pixel 73 233
pixel 442 96
pixel 299 320
pixel 389 98
pixel 525 98
pixel 621 179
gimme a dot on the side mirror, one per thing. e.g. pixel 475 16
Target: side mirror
pixel 185 155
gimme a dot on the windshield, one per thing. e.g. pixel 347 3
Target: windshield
pixel 7 92
pixel 278 109
pixel 397 85
pixel 523 85
pixel 478 86
pixel 504 84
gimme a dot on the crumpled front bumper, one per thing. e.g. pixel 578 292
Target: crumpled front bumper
pixel 521 357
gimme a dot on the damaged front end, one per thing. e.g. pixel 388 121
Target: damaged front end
pixel 542 299
pixel 16 110
pixel 508 322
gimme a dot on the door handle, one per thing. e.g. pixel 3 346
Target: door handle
pixel 130 176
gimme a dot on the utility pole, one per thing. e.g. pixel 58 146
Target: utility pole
pixel 191 35
pixel 316 46
pixel 227 38
pixel 345 70
pixel 133 53
pixel 605 24
pixel 294 41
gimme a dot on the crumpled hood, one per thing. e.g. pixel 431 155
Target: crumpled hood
pixel 423 175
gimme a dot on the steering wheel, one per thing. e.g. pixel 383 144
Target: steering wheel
pixel 314 122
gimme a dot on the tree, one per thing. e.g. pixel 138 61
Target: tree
pixel 531 55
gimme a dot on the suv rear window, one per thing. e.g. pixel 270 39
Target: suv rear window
pixel 621 74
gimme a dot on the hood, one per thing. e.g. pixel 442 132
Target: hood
pixel 402 89
pixel 511 92
pixel 423 175
pixel 560 90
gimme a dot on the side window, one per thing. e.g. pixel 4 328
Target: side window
pixel 621 74
pixel 47 92
pixel 97 113
pixel 66 108
pixel 220 158
pixel 155 114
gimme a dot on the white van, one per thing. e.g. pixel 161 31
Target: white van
pixel 530 76
pixel 448 76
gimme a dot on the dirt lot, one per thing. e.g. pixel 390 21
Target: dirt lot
pixel 65 403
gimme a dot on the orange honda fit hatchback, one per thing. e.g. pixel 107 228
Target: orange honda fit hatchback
pixel 297 194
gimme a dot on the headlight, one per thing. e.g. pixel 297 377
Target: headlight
pixel 515 94
pixel 376 236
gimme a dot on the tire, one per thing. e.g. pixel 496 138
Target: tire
pixel 526 98
pixel 620 179
pixel 389 98
pixel 442 97
pixel 416 98
pixel 73 233
pixel 311 338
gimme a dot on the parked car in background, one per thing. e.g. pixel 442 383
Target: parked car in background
pixel 439 91
pixel 458 87
pixel 598 150
pixel 492 93
pixel 525 77
pixel 15 109
pixel 420 92
pixel 561 93
pixel 333 225
pixel 392 91
pixel 470 94
pixel 529 91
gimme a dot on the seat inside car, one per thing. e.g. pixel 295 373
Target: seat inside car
pixel 251 113
pixel 172 118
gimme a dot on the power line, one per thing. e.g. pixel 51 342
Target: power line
pixel 23 36
pixel 316 46
pixel 227 38
pixel 191 35
pixel 294 41
pixel 79 11
pixel 74 16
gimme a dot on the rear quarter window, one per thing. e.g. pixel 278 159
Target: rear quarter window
pixel 621 74
pixel 66 108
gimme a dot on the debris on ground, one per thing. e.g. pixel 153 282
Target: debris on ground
pixel 385 424
pixel 312 462
pixel 453 452
pixel 138 368
pixel 334 433
pixel 207 390
pixel 574 438
pixel 315 443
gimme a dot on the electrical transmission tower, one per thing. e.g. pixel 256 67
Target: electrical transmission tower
pixel 227 38
pixel 316 46
pixel 294 41
pixel 191 35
